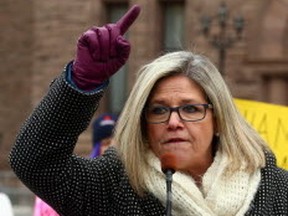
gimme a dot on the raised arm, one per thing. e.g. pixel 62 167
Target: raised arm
pixel 42 156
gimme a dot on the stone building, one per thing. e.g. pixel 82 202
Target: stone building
pixel 39 37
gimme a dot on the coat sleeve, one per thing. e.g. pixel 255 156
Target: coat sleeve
pixel 42 156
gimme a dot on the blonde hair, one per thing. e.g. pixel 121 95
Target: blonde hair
pixel 237 139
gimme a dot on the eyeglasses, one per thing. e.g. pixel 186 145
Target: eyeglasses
pixel 156 114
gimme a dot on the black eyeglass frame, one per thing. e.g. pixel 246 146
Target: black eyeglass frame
pixel 176 109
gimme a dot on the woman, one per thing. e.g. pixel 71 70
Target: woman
pixel 178 105
pixel 230 164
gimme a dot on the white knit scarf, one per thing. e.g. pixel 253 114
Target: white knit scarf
pixel 220 195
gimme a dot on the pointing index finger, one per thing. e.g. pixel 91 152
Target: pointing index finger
pixel 127 19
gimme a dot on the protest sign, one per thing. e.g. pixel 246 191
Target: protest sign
pixel 271 121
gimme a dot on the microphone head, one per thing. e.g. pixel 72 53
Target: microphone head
pixel 168 162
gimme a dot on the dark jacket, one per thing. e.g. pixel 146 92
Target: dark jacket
pixel 43 159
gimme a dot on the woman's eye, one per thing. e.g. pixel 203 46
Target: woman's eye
pixel 158 110
pixel 190 109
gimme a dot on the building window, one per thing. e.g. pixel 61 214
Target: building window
pixel 275 88
pixel 173 26
pixel 118 82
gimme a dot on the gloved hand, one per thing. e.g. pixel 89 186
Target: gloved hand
pixel 102 51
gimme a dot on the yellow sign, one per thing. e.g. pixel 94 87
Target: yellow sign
pixel 271 121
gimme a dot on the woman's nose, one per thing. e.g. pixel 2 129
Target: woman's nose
pixel 174 120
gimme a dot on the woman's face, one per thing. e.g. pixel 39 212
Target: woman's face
pixel 190 142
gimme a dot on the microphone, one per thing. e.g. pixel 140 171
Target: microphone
pixel 168 163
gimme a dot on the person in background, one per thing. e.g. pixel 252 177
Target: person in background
pixel 6 208
pixel 179 105
pixel 41 208
pixel 102 131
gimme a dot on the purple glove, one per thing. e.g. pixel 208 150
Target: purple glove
pixel 102 51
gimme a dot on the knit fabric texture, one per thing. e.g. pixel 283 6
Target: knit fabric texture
pixel 43 159
pixel 220 194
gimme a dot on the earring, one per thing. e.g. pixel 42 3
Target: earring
pixel 217 134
